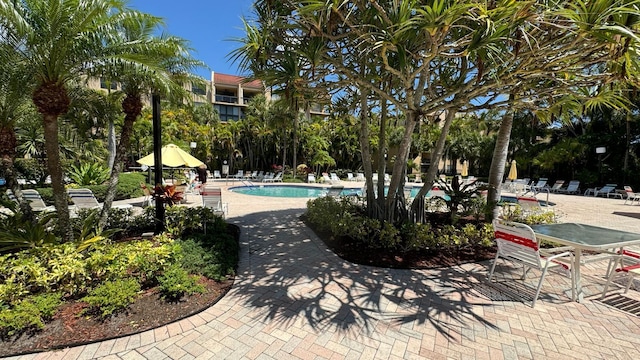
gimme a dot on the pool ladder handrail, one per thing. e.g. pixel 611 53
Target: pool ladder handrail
pixel 248 183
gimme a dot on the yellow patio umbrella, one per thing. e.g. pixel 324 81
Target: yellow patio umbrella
pixel 513 171
pixel 464 172
pixel 172 156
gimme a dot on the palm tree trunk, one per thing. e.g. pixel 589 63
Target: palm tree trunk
pixel 498 163
pixel 436 156
pixel 132 107
pixel 61 202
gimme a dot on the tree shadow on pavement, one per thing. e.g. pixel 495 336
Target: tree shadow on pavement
pixel 288 274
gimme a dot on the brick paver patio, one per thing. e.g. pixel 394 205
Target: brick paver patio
pixel 294 299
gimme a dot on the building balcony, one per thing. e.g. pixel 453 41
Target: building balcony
pixel 227 99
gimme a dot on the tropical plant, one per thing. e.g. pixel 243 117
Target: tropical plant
pixel 60 41
pixel 167 194
pixel 19 232
pixel 88 174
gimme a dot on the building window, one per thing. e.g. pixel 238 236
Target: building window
pixel 198 90
pixel 227 112
pixel 103 84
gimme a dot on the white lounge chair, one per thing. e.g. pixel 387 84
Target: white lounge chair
pixel 541 184
pixel 350 177
pixel 631 196
pixel 34 199
pixel 311 178
pixel 84 199
pixel 360 177
pixel 572 188
pixel 334 178
pixel 216 174
pixel 556 186
pixel 335 191
pixel 609 190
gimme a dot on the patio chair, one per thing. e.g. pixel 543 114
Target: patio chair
pixel 329 180
pixel 277 178
pixel 556 186
pixel 631 196
pixel 84 199
pixel 268 177
pixel 360 177
pixel 350 177
pixel 334 178
pixel 572 188
pixel 216 174
pixel 212 199
pixel 517 243
pixel 311 178
pixel 629 263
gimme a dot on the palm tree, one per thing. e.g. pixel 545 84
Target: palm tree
pixel 61 41
pixel 166 69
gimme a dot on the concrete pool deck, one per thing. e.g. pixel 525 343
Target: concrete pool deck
pixel 295 299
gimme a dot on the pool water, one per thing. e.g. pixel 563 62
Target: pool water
pixel 294 191
pixel 298 191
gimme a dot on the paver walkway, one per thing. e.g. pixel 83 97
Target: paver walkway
pixel 294 299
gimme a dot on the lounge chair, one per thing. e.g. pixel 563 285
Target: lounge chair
pixel 212 199
pixel 216 174
pixel 34 199
pixel 84 199
pixel 276 178
pixel 350 177
pixel 609 190
pixel 557 186
pixel 631 196
pixel 335 191
pixel 268 177
pixel 239 175
pixel 572 188
pixel 541 184
pixel 360 177
pixel 311 178
pixel 529 204
pixel 334 178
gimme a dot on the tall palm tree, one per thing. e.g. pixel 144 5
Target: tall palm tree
pixel 61 41
pixel 166 69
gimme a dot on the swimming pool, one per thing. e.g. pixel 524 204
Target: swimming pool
pixel 302 191
pixel 297 191
pixel 289 191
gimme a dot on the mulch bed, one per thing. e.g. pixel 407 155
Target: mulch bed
pixel 68 328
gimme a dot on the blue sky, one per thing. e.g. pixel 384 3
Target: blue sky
pixel 208 25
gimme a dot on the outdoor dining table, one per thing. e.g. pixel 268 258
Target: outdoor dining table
pixel 585 237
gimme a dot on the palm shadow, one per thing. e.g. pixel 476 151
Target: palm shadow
pixel 288 273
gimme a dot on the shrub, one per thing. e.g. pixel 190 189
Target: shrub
pixel 30 313
pixel 112 296
pixel 176 282
pixel 213 255
pixel 89 174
